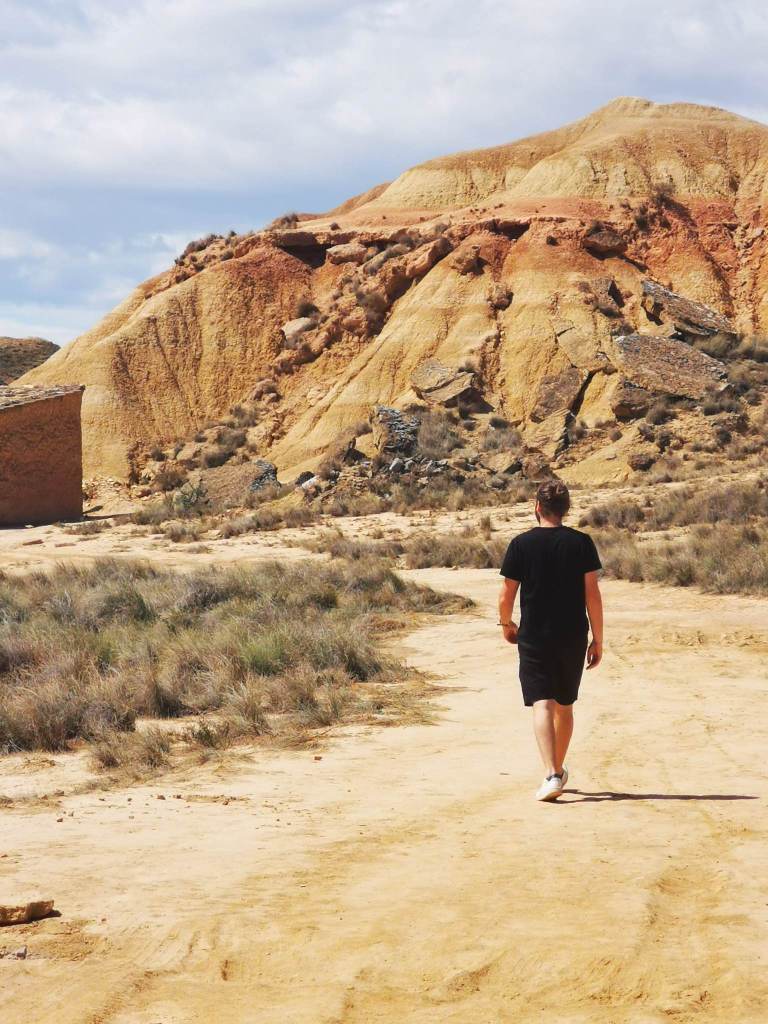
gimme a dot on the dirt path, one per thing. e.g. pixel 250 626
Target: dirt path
pixel 409 877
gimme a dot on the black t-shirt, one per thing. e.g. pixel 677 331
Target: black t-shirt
pixel 550 562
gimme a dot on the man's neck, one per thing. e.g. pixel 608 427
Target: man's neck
pixel 549 523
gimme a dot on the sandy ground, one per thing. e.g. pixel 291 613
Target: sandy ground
pixel 407 875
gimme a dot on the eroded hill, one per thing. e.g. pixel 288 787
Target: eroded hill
pixel 572 275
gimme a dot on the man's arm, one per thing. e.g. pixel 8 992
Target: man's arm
pixel 507 597
pixel 594 603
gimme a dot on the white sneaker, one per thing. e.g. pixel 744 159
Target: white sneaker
pixel 565 776
pixel 550 789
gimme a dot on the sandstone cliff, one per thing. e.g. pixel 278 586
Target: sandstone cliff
pixel 519 265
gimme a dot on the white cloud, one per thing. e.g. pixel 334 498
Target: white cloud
pixel 19 245
pixel 178 101
pixel 199 94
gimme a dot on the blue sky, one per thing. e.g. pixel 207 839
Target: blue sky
pixel 127 128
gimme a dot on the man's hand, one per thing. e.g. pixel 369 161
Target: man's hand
pixel 594 654
pixel 510 633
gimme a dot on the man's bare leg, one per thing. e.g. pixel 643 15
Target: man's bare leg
pixel 544 730
pixel 563 722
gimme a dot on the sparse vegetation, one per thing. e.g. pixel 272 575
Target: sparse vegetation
pixel 84 653
pixel 438 434
pixel 712 537
pixel 89 527
pixel 462 548
pixel 721 558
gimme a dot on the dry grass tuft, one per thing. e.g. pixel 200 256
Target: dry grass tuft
pixel 85 652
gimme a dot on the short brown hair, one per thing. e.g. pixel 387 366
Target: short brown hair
pixel 553 498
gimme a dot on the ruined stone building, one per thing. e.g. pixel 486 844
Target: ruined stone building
pixel 41 456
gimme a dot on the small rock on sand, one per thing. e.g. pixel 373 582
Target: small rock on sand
pixel 22 913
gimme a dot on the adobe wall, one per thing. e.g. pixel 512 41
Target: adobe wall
pixel 41 461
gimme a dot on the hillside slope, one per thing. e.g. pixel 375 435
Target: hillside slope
pixel 526 259
pixel 19 355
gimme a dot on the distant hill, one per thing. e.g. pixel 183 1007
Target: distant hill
pixel 19 355
pixel 524 260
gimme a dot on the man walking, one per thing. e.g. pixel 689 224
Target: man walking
pixel 556 570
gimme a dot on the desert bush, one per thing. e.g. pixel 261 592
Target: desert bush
pixel 198 244
pixel 217 456
pixel 438 435
pixel 576 430
pixel 185 531
pixel 752 347
pixel 89 527
pixel 501 438
pixel 84 652
pixel 720 402
pixel 737 503
pixel 721 558
pixel 626 515
pixel 464 548
pixel 168 478
pixel 660 412
pixel 286 220
pixel 336 544
pixel 305 307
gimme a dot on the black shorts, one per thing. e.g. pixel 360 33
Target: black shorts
pixel 552 670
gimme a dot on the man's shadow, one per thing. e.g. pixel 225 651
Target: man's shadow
pixel 606 796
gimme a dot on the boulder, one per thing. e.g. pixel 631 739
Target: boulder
pixel 558 392
pixel 293 238
pixel 504 462
pixel 189 454
pixel 685 315
pixel 665 365
pixel 264 475
pixel 293 330
pixel 435 382
pixel 608 298
pixel 628 401
pixel 394 433
pixel 23 913
pixel 344 448
pixel 467 260
pixel 500 296
pixel 421 262
pixel 352 252
pixel 581 348
pixel 602 241
pixel 642 460
pixel 535 465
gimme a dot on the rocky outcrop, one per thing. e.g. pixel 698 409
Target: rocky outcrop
pixel 435 382
pixel 446 246
pixel 394 433
pixel 665 365
pixel 686 316
pixel 351 252
pixel 602 241
pixel 467 260
pixel 629 401
pixel 19 355
pixel 293 330
pixel 264 474
pixel 558 393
